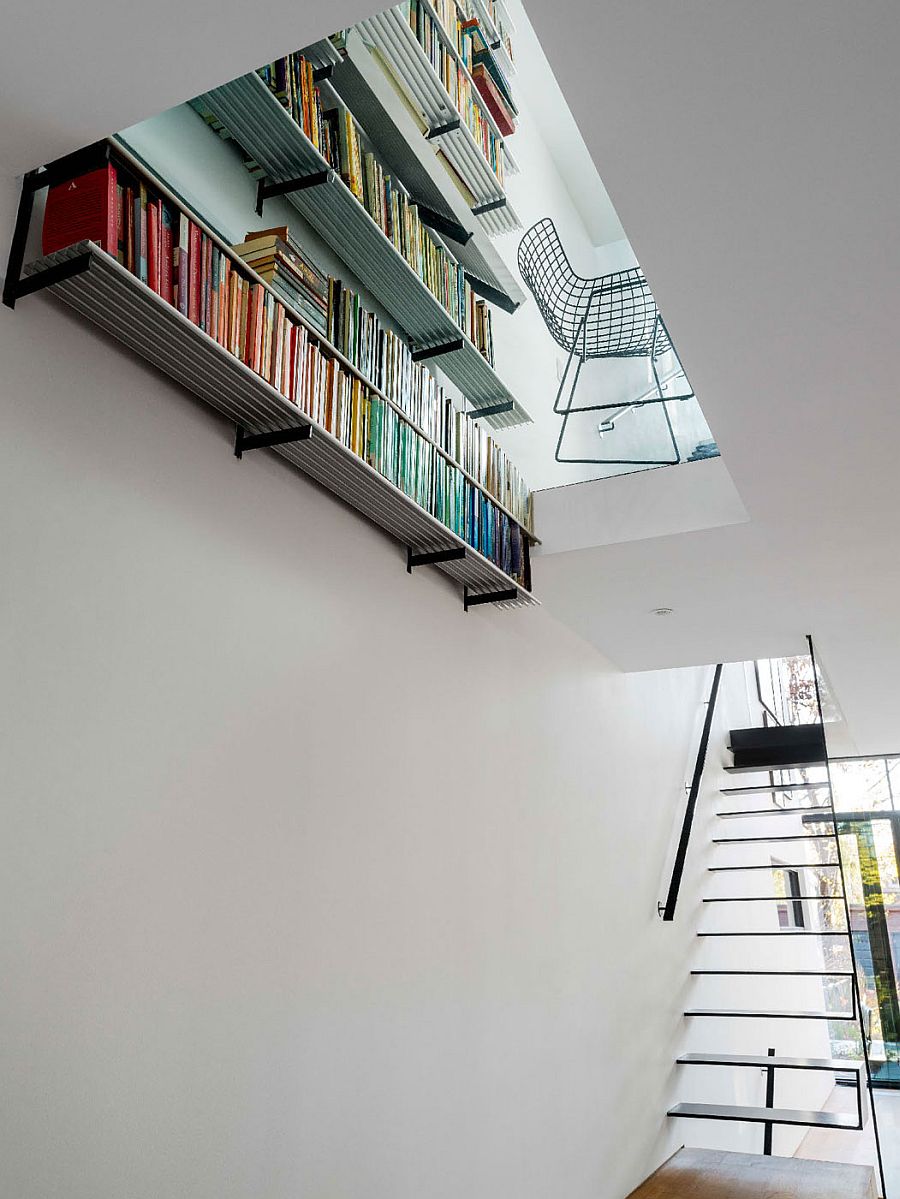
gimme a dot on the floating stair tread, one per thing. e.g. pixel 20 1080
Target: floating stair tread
pixel 765 1115
pixel 781 932
pixel 754 1014
pixel 783 973
pixel 754 1059
pixel 766 898
pixel 778 736
pixel 763 788
pixel 764 767
pixel 773 837
pixel 806 813
pixel 779 865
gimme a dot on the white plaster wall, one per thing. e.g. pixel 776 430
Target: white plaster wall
pixel 311 883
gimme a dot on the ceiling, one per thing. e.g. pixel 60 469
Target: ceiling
pixel 751 152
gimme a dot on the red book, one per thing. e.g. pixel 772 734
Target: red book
pixel 494 100
pixel 166 253
pixel 153 245
pixel 82 209
pixel 194 264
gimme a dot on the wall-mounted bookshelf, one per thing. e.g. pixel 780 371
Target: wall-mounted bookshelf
pixel 494 36
pixel 113 297
pixel 265 130
pixel 390 34
pixel 362 82
pixel 120 304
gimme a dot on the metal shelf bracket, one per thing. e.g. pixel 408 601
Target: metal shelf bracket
pixel 259 441
pixel 488 597
pixel 430 558
pixel 265 190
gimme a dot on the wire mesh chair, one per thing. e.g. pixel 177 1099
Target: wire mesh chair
pixel 611 316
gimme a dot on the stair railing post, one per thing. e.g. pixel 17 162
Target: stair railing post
pixel 770 1103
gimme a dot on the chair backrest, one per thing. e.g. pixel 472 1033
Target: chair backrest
pixel 560 294
pixel 609 316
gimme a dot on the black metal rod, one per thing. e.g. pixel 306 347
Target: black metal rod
pixel 70 166
pixel 448 347
pixel 492 409
pixel 770 1103
pixel 53 274
pixel 492 294
pixel 490 206
pixel 857 997
pixel 16 259
pixel 444 225
pixel 488 597
pixel 667 910
pixel 450 127
pixel 265 191
pixel 260 441
pixel 429 559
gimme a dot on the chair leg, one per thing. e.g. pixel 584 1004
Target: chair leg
pixel 562 383
pixel 567 411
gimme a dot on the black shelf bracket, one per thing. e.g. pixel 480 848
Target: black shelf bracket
pixel 78 163
pixel 260 441
pixel 492 409
pixel 488 597
pixel 444 225
pixel 429 559
pixel 265 191
pixel 442 130
pixel 325 72
pixel 448 347
pixel 490 206
pixel 492 294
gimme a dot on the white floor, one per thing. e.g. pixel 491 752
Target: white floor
pixel 859 1147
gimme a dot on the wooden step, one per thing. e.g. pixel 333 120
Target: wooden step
pixel 717 1174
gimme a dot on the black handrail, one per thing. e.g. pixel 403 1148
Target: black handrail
pixel 667 909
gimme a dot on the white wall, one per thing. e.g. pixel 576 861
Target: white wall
pixel 312 884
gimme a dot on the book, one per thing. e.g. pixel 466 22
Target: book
pixel 83 209
pixel 494 99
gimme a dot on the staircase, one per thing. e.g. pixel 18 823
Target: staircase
pixel 747 840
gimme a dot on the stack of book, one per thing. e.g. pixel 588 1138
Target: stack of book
pixel 385 200
pixel 284 264
pixel 387 363
pixel 490 80
pixel 169 252
pixel 455 77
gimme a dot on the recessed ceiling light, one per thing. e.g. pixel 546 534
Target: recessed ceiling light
pixel 661 611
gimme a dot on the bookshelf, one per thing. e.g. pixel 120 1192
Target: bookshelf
pixel 96 286
pixel 364 85
pixel 264 129
pixel 493 36
pixel 390 34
